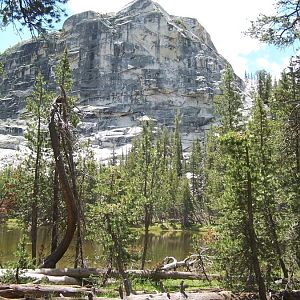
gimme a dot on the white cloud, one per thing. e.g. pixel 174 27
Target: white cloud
pixel 275 68
pixel 225 21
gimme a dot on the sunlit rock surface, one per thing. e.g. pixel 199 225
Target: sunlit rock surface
pixel 138 62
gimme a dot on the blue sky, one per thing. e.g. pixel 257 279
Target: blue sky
pixel 225 21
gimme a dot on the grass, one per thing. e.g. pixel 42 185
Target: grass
pixel 147 286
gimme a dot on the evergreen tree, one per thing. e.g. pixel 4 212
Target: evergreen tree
pixel 177 147
pixel 146 168
pixel 285 108
pixel 228 106
pixel 187 204
pixel 264 149
pixel 196 168
pixel 112 216
pixel 228 109
pixel 37 107
pixel 232 175
pixel 238 248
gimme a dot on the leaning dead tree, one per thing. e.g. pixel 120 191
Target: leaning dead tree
pixel 61 142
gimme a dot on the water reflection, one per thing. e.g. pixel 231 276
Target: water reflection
pixel 175 243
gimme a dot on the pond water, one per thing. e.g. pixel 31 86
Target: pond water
pixel 166 243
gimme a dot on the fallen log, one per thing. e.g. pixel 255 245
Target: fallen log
pixel 80 273
pixel 65 280
pixel 38 277
pixel 61 292
pixel 180 296
pixel 37 291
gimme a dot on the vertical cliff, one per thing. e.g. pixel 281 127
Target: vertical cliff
pixel 139 61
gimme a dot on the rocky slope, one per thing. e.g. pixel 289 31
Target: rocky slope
pixel 138 62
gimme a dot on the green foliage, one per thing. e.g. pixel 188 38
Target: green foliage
pixel 280 29
pixel 228 106
pixel 63 73
pixel 148 185
pixel 33 174
pixel 196 168
pixel 7 198
pixel 37 16
pixel 113 214
pixel 23 261
pixel 20 192
pixel 187 203
pixel 232 246
pixel 87 172
pixel 177 148
pixel 63 79
pixel 36 113
pixel 23 258
pixel 244 166
pixel 285 109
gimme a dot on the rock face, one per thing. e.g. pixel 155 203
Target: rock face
pixel 139 61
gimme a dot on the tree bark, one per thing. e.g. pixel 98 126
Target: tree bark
pixel 54 233
pixel 147 222
pixel 171 262
pixel 80 273
pixel 37 291
pixel 34 205
pixel 68 197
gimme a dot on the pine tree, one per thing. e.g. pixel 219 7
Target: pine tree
pixel 187 204
pixel 231 186
pixel 112 215
pixel 177 147
pixel 196 168
pixel 264 146
pixel 286 109
pixel 238 242
pixel 228 106
pixel 37 107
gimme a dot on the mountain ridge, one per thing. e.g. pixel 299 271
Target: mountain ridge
pixel 136 62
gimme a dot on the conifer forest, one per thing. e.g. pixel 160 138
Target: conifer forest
pixel 237 190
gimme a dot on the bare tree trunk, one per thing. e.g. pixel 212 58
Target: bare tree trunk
pixel 79 248
pixel 146 234
pixel 148 209
pixel 33 231
pixel 68 197
pixel 54 233
pixel 36 188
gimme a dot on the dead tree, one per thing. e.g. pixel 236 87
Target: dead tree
pixel 61 142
